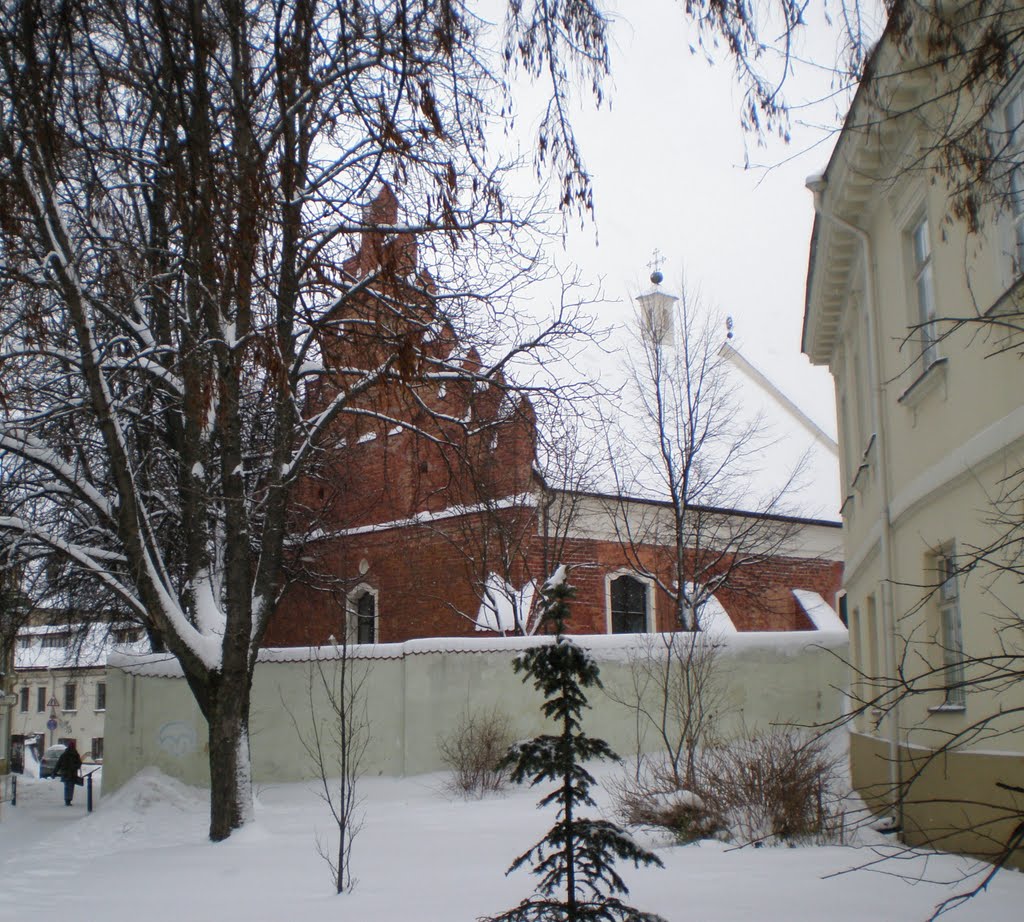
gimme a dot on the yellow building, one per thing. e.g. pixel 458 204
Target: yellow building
pixel 917 317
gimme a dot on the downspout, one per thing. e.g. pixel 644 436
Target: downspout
pixel 817 186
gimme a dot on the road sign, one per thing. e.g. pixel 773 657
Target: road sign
pixel 52 703
pixel 51 724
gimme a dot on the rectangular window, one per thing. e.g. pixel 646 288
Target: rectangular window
pixel 1013 124
pixel 40 699
pixel 70 695
pixel 857 686
pixel 55 641
pixel 24 699
pixel 366 618
pixel 871 643
pixel 859 402
pixel 101 696
pixel 924 290
pixel 951 637
pixel 849 453
pixel 628 604
pixel 97 748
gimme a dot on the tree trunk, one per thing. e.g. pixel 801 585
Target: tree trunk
pixel 227 716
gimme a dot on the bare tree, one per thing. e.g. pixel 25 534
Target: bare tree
pixel 180 186
pixel 678 692
pixel 691 446
pixel 336 744
pixel 514 540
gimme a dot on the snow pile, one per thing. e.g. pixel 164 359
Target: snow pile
pixel 151 789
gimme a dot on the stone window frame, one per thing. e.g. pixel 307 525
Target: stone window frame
pixel 352 612
pixel 1008 140
pixel 950 627
pixel 649 584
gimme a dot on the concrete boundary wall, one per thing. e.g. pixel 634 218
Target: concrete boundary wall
pixel 418 691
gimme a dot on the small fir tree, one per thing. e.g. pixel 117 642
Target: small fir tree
pixel 575 860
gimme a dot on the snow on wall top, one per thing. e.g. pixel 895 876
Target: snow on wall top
pixel 604 647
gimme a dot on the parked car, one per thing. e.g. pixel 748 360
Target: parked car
pixel 49 761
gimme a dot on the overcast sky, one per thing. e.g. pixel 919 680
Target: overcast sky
pixel 667 157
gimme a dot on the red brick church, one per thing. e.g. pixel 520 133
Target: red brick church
pixel 426 515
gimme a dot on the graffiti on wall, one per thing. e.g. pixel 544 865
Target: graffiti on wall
pixel 177 738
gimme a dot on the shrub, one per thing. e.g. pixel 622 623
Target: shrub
pixel 473 750
pixel 652 797
pixel 776 785
pixel 769 786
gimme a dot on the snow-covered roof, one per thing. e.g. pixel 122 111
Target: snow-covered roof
pixel 73 646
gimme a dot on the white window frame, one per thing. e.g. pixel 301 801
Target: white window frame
pixel 923 285
pixel 950 629
pixel 1011 117
pixel 352 612
pixel 609 578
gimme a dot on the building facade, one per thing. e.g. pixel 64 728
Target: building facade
pixel 60 684
pixel 426 516
pixel 916 312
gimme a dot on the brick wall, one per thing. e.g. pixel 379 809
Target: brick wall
pixel 435 435
pixel 426 579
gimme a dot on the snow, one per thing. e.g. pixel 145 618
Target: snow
pixel 711 614
pixel 421 856
pixel 86 646
pixel 518 500
pixel 500 603
pixel 604 647
pixel 819 611
pixel 556 579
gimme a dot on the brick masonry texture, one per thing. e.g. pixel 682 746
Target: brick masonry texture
pixel 426 443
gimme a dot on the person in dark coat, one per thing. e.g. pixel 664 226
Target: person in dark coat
pixel 67 767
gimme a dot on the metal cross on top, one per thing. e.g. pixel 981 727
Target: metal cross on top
pixel 656 261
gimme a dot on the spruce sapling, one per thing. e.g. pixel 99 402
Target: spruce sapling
pixel 575 860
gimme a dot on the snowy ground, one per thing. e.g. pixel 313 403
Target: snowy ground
pixel 421 857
